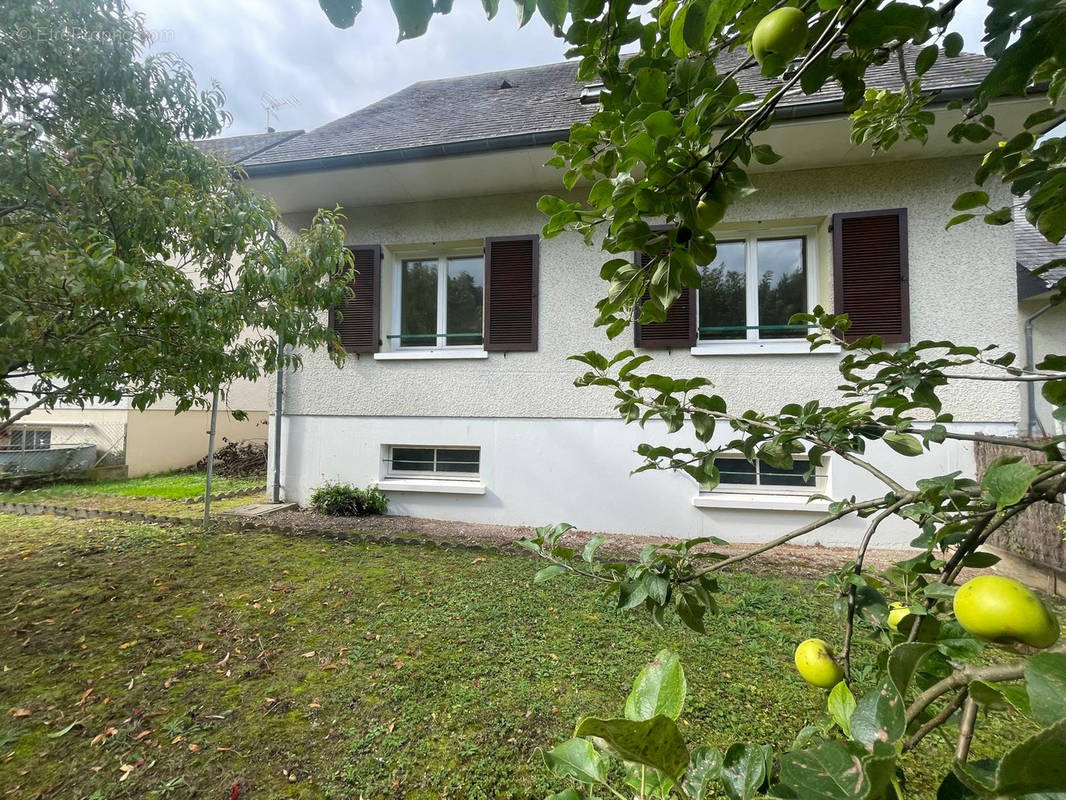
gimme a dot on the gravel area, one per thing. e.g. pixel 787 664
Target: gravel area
pixel 807 561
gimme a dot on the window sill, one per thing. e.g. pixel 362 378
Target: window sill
pixel 419 355
pixel 758 501
pixel 741 348
pixel 430 485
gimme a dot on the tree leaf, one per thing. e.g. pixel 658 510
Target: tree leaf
pixel 926 58
pixel 591 546
pixel 553 11
pixel 525 11
pixel 1036 765
pixel 1006 484
pixel 841 706
pixel 903 443
pixel 704 768
pixel 631 593
pixel 548 573
pixel 577 758
pixel 656 742
pixel 828 771
pixel 659 689
pixel 878 716
pixel 970 200
pixel 1055 393
pixel 744 770
pixel 341 13
pixel 1045 682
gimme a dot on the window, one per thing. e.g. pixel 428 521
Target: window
pixel 22 439
pixel 752 288
pixel 440 301
pixel 740 475
pixel 432 462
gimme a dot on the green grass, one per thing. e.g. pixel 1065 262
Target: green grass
pixel 170 485
pixel 309 668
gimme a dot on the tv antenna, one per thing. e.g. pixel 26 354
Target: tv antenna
pixel 271 105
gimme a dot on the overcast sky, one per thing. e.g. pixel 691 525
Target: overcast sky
pixel 289 49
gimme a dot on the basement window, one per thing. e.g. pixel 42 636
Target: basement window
pixel 431 468
pixel 752 486
pixel 740 475
pixel 450 463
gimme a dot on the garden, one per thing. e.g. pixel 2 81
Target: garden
pixel 140 660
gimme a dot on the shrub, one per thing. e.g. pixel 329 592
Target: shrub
pixel 374 501
pixel 344 500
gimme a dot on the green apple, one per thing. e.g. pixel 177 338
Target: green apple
pixel 817 665
pixel 709 212
pixel 779 37
pixel 896 614
pixel 1000 609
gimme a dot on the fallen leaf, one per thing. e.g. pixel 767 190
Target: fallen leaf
pixel 101 737
pixel 142 735
pixel 65 731
pixel 19 713
pixel 126 645
pixel 194 748
pixel 478 560
pixel 309 654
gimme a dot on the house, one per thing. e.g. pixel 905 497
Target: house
pixel 156 439
pixel 1043 324
pixel 457 397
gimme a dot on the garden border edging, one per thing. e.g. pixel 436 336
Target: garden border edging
pixel 42 509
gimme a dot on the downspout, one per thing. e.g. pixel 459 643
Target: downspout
pixel 278 390
pixel 1036 428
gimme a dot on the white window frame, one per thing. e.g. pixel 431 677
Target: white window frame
pixel 35 435
pixel 441 256
pixel 433 475
pixel 821 481
pixel 752 340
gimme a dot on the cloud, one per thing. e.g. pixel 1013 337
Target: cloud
pixel 252 47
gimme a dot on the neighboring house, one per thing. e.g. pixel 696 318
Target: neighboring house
pixel 156 439
pixel 1043 325
pixel 457 397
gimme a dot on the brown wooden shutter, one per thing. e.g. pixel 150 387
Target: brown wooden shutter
pixel 357 319
pixel 870 273
pixel 679 329
pixel 511 292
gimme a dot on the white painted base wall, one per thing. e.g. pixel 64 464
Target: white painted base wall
pixel 540 471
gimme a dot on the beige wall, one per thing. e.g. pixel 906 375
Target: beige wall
pixel 962 287
pixel 158 440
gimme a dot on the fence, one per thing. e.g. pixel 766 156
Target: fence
pixel 54 460
pixel 1037 534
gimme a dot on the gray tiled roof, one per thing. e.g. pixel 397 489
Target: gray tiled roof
pixel 1033 250
pixel 235 149
pixel 539 101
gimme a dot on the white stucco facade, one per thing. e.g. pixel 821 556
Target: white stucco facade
pixel 552 452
